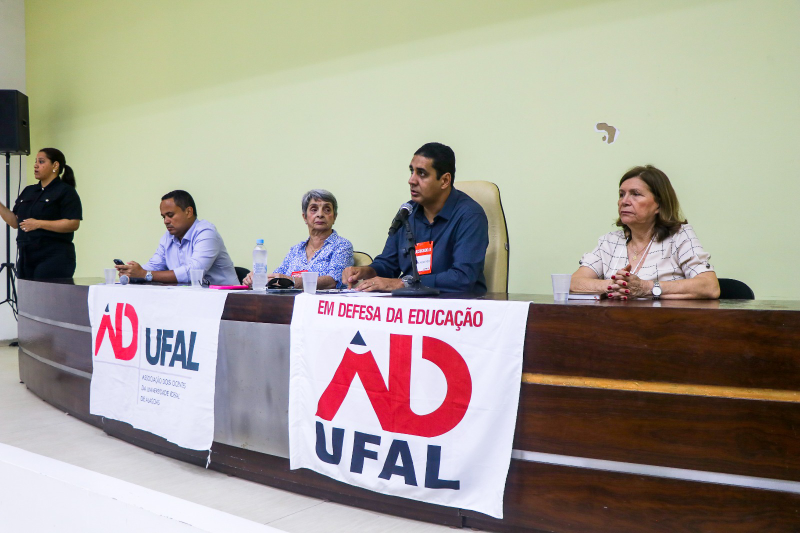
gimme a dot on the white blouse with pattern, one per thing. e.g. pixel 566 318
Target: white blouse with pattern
pixel 679 256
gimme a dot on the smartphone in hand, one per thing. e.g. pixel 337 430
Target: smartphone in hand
pixel 118 262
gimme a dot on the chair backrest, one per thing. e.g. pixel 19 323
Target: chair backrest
pixel 361 259
pixel 733 289
pixel 241 272
pixel 496 268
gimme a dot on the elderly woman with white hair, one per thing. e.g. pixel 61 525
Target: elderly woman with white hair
pixel 323 252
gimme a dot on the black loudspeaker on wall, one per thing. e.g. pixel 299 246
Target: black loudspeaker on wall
pixel 15 133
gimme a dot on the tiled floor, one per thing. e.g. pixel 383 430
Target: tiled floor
pixel 28 423
pixel 41 494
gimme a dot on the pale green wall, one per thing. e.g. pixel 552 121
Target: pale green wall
pixel 12 76
pixel 247 104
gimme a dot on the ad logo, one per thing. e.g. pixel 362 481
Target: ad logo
pixel 392 405
pixel 124 353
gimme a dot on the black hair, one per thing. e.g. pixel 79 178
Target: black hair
pixel 444 159
pixel 182 199
pixel 64 171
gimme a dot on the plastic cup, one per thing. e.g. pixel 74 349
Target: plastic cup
pixel 111 275
pixel 310 282
pixel 196 275
pixel 561 286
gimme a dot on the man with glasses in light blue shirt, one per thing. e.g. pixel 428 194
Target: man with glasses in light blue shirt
pixel 188 243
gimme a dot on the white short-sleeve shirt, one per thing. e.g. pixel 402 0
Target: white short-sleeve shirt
pixel 679 256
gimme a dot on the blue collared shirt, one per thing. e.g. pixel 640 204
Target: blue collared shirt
pixel 335 255
pixel 460 235
pixel 201 247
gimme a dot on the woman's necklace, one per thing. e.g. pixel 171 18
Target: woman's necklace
pixel 646 249
pixel 311 251
pixel 636 253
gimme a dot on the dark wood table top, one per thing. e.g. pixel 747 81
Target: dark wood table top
pixel 546 299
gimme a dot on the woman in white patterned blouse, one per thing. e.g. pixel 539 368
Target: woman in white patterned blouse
pixel 655 255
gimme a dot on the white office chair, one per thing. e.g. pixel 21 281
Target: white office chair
pixel 361 259
pixel 496 267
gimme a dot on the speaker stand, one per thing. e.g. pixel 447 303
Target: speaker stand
pixel 8 266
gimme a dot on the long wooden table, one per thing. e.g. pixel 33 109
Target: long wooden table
pixel 636 416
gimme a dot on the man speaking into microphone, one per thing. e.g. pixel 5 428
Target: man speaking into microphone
pixel 450 229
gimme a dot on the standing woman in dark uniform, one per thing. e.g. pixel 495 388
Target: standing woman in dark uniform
pixel 47 215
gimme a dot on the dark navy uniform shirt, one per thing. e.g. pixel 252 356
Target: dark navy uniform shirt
pixel 460 235
pixel 57 201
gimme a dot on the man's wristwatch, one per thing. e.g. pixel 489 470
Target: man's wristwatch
pixel 148 276
pixel 656 290
pixel 407 280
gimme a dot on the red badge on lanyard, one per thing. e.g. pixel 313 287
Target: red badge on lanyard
pixel 424 251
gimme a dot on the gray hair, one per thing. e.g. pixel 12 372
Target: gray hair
pixel 323 196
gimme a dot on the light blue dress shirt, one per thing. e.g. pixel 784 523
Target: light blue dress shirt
pixel 335 255
pixel 201 247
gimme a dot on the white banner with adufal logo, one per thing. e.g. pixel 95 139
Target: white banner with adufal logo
pixel 155 359
pixel 407 397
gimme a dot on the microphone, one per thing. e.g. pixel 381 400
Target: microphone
pixel 400 217
pixel 125 279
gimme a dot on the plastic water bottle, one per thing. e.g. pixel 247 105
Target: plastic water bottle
pixel 259 266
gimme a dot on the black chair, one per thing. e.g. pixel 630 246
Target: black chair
pixel 241 272
pixel 733 289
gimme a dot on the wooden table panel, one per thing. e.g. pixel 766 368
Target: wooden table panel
pixel 542 497
pixel 744 437
pixel 61 300
pixel 65 391
pixel 724 347
pixel 268 308
pixel 60 345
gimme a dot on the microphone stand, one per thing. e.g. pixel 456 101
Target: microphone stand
pixel 415 287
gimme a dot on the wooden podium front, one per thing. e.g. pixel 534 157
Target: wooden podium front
pixel 633 416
